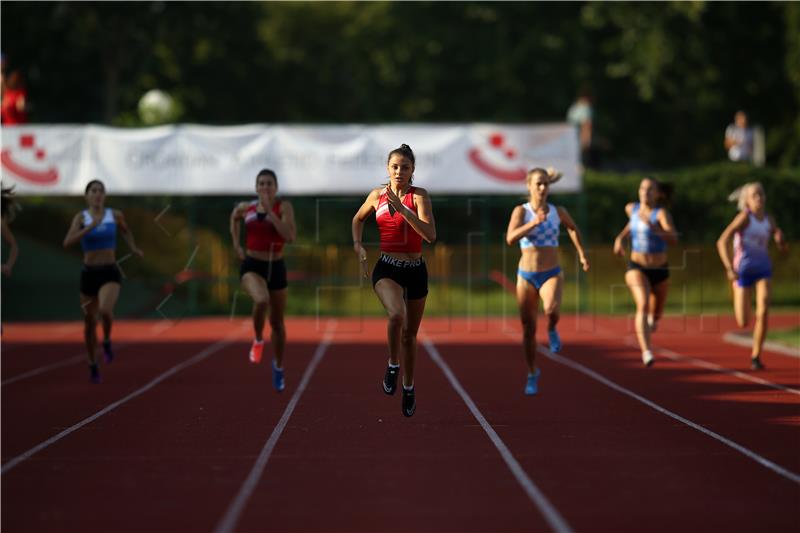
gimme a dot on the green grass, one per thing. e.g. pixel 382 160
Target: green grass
pixel 790 337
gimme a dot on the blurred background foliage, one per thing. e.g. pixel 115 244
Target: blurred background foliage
pixel 656 70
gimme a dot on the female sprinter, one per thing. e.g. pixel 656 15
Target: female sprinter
pixel 535 224
pixel 270 224
pixel 96 229
pixel 9 210
pixel 650 228
pixel 751 267
pixel 400 278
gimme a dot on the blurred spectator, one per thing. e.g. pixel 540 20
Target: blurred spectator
pixel 14 101
pixel 739 138
pixel 9 211
pixel 580 115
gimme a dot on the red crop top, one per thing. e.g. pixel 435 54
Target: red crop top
pixel 397 235
pixel 261 233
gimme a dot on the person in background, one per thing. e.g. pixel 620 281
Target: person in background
pixel 751 267
pixel 269 222
pixel 9 211
pixel 650 229
pixel 739 138
pixel 580 116
pixel 535 225
pixel 404 215
pixel 13 109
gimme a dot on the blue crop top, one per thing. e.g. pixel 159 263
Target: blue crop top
pixel 643 240
pixel 101 237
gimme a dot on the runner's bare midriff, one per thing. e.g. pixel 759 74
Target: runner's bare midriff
pixel 539 259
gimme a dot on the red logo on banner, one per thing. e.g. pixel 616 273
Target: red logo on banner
pixel 29 151
pixel 497 159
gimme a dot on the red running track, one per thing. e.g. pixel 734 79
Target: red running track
pixel 185 420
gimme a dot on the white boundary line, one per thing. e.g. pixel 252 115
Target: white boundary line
pixel 549 512
pixel 234 511
pixel 747 342
pixel 42 369
pixel 763 461
pixel 138 392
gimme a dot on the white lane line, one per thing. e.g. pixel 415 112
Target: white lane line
pixel 169 373
pixel 42 369
pixel 763 461
pixel 702 363
pixel 770 346
pixel 234 511
pixel 675 356
pixel 549 512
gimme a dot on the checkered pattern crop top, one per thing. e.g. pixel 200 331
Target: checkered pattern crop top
pixel 544 234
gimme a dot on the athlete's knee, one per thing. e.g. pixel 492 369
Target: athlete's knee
pixel 408 336
pixel 106 313
pixel 396 318
pixel 528 327
pixel 261 301
pixel 761 312
pixel 277 324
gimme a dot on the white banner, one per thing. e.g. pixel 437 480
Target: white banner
pixel 309 160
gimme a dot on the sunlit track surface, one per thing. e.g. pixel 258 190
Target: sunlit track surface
pixel 175 455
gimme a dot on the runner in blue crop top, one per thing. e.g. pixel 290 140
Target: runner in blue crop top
pixel 650 229
pixel 96 229
pixel 535 225
pixel 751 267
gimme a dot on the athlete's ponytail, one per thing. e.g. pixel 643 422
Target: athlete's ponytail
pixel 739 196
pixel 9 204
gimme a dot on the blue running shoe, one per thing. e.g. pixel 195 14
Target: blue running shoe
pixel 108 354
pixel 555 341
pixel 277 378
pixel 532 386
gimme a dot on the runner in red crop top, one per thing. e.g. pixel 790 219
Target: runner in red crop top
pixel 400 278
pixel 270 224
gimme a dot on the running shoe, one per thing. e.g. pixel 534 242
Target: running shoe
pixel 94 374
pixel 108 354
pixel 255 351
pixel 532 386
pixel 277 378
pixel 647 357
pixel 409 402
pixel 555 341
pixel 390 379
pixel 756 364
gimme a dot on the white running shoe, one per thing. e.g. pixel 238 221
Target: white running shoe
pixel 647 357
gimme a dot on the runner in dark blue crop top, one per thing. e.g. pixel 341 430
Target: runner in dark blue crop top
pixel 96 228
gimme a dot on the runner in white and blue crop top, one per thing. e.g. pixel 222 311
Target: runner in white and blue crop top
pixel 751 267
pixel 96 229
pixel 535 225
pixel 650 229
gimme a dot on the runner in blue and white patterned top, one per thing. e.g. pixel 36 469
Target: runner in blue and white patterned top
pixel 650 229
pixel 751 267
pixel 535 224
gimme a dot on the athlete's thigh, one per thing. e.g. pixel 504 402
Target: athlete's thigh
pixel 107 296
pixel 660 296
pixel 390 294
pixel 550 293
pixel 277 300
pixel 639 286
pixel 89 305
pixel 414 311
pixel 527 299
pixel 256 286
pixel 763 294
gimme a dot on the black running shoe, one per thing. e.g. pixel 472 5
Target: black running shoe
pixel 756 364
pixel 390 379
pixel 94 374
pixel 409 402
pixel 108 353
